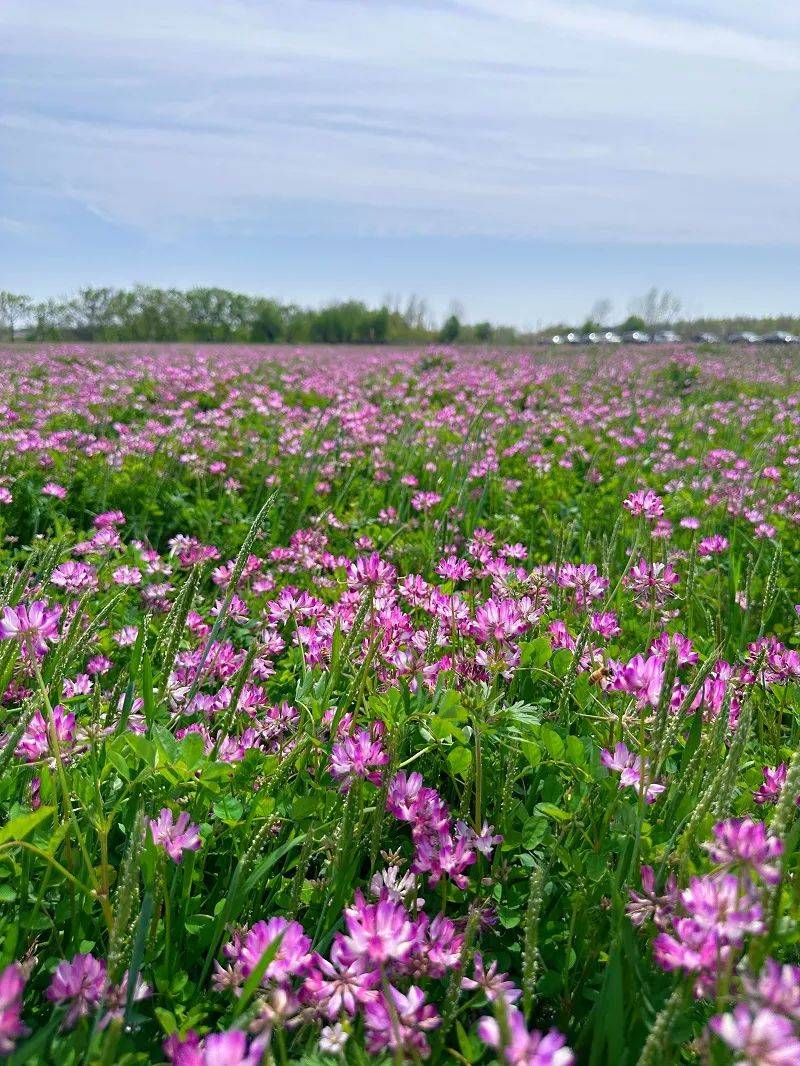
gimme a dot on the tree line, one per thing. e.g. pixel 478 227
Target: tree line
pixel 215 315
pixel 220 316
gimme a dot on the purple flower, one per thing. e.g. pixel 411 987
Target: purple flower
pixel 359 755
pixel 377 933
pixel 217 1049
pixel 33 626
pixel 722 905
pixel 761 1037
pixel 777 987
pixel 629 767
pixel 743 843
pixel 12 985
pixel 292 957
pixel 402 1028
pixel 81 983
pixel 649 904
pixel 687 656
pixel 644 502
pixel 493 984
pixel 340 984
pixel 174 837
pixel 439 854
pixel 34 744
pixel 524 1048
pixel 774 780
pixel 715 545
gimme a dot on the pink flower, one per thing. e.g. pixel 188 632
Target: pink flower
pixel 498 620
pixel 524 1048
pixel 338 985
pixel 605 624
pixel 642 677
pixel 52 489
pixel 232 1048
pixel 715 545
pixel 404 1027
pixel 377 933
pixel 491 982
pixel 774 780
pixel 629 767
pixel 173 836
pixel 127 575
pixel 777 987
pixel 292 958
pixel 35 742
pixel 74 577
pixel 33 626
pixel 742 843
pixel 12 985
pixel 359 755
pixel 759 1037
pixel 81 983
pixel 644 502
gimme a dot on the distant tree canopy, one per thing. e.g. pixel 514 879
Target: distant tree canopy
pixel 451 330
pixel 219 316
pixel 215 315
pixel 211 315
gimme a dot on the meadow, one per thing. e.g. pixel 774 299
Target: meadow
pixel 378 706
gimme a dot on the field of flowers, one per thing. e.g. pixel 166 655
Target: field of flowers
pixel 372 706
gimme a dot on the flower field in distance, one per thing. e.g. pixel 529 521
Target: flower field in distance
pixel 378 706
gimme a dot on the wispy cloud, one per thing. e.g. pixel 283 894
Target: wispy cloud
pixel 637 120
pixel 650 30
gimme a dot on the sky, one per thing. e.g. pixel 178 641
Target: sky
pixel 522 157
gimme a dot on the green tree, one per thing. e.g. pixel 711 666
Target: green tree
pixel 14 308
pixel 92 313
pixel 631 323
pixel 450 330
pixel 268 323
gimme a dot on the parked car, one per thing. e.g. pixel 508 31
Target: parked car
pixel 636 336
pixel 557 339
pixel 610 337
pixel 573 338
pixel 779 337
pixel 743 338
pixel 666 336
pixel 592 338
pixel 706 338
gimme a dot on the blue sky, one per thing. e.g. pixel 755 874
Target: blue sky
pixel 524 157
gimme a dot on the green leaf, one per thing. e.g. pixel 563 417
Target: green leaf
pixel 553 743
pixel 533 832
pixel 228 809
pixel 576 753
pixel 551 811
pixel 561 662
pixel 459 760
pixel 167 1020
pixel 532 752
pixel 147 688
pixel 465 1043
pixel 19 827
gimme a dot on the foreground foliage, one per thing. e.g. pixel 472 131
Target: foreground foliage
pixel 383 706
